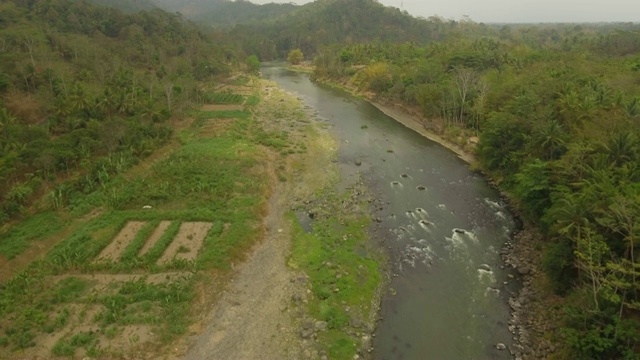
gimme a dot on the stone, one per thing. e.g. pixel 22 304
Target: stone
pixel 321 325
pixel 355 323
pixel 307 325
pixel 358 162
pixel 524 270
pixel 484 267
pixel 501 346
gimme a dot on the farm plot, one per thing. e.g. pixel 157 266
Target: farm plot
pixel 122 283
pixel 187 242
pixel 125 236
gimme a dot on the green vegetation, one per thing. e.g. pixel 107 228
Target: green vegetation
pixel 253 64
pixel 229 13
pixel 215 179
pixel 344 275
pixel 36 227
pixel 295 56
pixel 223 98
pixel 320 23
pixel 558 126
pixel 85 92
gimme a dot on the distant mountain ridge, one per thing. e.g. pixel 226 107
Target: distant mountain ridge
pixel 229 13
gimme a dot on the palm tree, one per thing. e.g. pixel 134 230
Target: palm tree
pixel 571 215
pixel 549 137
pixel 621 148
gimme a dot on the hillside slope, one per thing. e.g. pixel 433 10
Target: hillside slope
pixel 71 70
pixel 326 22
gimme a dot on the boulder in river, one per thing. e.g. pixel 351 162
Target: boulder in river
pixel 484 267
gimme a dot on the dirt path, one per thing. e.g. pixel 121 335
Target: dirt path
pixel 248 322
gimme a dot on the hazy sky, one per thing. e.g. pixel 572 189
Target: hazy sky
pixel 517 10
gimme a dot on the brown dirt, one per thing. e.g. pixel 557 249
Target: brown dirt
pixel 78 315
pixel 221 107
pixel 155 236
pixel 187 243
pixel 131 339
pixel 114 250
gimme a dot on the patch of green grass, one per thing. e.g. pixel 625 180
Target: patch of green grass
pixel 340 276
pixel 163 305
pixel 241 80
pixel 69 289
pixel 58 322
pixel 67 346
pixel 252 100
pixel 37 227
pixel 224 114
pixel 223 97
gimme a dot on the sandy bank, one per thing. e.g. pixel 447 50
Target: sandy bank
pixel 414 123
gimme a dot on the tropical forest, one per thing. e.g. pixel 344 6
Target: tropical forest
pixel 342 179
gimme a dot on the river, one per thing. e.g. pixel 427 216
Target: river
pixel 443 227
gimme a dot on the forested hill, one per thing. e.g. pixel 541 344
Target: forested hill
pixel 85 91
pixel 228 13
pixel 344 21
pixel 188 8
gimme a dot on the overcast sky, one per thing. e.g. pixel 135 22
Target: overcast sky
pixel 517 10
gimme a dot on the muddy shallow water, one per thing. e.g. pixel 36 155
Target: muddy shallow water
pixel 443 227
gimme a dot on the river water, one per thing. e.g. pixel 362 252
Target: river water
pixel 442 224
